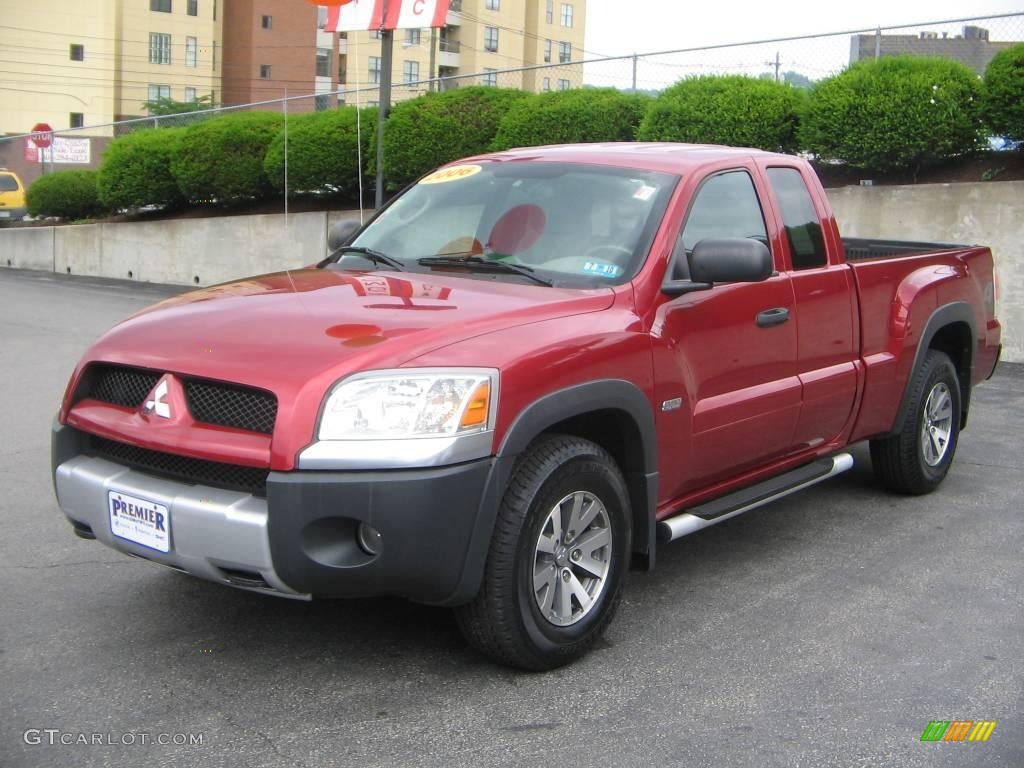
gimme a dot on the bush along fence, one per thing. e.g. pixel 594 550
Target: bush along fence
pixel 899 113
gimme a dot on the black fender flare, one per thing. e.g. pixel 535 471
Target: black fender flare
pixel 954 312
pixel 602 395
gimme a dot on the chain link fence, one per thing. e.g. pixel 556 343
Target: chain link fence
pixel 800 61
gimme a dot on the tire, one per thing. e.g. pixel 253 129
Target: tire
pixel 530 610
pixel 916 460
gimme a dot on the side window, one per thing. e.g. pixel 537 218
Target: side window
pixel 726 206
pixel 803 228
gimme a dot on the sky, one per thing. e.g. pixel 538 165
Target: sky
pixel 639 26
pixel 617 28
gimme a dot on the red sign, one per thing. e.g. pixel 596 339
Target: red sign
pixel 31 151
pixel 355 15
pixel 42 135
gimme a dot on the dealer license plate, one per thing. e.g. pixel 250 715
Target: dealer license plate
pixel 140 520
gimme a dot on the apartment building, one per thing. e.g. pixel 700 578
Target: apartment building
pixel 273 49
pixel 481 37
pixel 96 61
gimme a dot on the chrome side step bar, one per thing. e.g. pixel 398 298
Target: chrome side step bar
pixel 736 503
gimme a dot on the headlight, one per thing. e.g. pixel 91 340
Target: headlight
pixel 417 403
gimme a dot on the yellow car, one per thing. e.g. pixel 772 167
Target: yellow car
pixel 12 196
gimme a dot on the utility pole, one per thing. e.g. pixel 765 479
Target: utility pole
pixel 776 65
pixel 433 57
pixel 384 102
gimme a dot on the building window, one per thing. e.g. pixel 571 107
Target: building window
pixel 322 101
pixel 547 50
pixel 547 84
pixel 321 16
pixel 323 62
pixel 342 69
pixel 563 85
pixel 159 48
pixel 76 119
pixel 411 70
pixel 491 39
pixel 192 8
pixel 374 69
pixel 191 46
pixel 566 15
pixel 375 34
pixel 490 76
pixel 157 92
pixel 412 37
pixel 564 52
pixel 265 71
pixel 164 6
pixel 77 52
pixel 549 13
pixel 493 5
pixel 190 94
pixel 267 22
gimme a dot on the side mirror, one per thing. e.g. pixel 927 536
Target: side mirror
pixel 341 233
pixel 723 260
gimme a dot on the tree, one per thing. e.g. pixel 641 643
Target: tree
pixel 165 106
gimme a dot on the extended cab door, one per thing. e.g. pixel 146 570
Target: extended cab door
pixel 732 348
pixel 826 309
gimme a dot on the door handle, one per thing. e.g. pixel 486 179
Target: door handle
pixel 770 317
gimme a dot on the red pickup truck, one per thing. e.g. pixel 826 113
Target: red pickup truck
pixel 500 392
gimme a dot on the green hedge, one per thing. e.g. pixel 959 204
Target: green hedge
pixel 894 113
pixel 222 159
pixel 726 109
pixel 68 194
pixel 428 131
pixel 136 170
pixel 322 153
pixel 1002 103
pixel 577 115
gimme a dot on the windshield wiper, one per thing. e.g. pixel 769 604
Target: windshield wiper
pixel 371 255
pixel 482 265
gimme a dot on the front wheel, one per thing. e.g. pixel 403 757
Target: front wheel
pixel 918 458
pixel 557 560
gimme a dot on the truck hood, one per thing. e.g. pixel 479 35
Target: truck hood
pixel 287 330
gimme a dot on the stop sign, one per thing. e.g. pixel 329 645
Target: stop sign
pixel 42 135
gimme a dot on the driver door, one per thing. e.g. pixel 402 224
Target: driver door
pixel 733 347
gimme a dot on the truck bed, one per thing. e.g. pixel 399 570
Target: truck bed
pixel 863 248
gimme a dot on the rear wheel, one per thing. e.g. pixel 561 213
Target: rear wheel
pixel 917 459
pixel 558 558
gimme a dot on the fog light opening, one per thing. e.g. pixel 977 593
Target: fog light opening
pixel 369 539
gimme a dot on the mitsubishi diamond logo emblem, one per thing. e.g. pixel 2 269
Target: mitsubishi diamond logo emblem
pixel 158 400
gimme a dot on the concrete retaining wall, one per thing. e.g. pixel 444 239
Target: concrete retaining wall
pixel 987 213
pixel 213 250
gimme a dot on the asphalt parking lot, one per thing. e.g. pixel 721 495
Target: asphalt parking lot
pixel 825 630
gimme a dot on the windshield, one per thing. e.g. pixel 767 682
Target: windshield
pixel 573 224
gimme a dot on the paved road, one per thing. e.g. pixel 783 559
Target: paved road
pixel 826 630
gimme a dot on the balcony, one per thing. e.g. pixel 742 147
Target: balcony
pixel 454 9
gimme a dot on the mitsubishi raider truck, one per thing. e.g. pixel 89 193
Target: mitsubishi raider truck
pixel 505 388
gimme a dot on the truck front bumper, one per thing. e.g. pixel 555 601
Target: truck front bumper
pixel 301 540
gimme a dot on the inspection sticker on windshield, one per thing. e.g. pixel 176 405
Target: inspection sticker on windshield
pixel 140 520
pixel 455 173
pixel 644 193
pixel 602 269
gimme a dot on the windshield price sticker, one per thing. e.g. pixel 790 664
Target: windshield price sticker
pixel 455 173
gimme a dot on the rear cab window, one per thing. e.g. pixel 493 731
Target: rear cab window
pixel 801 220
